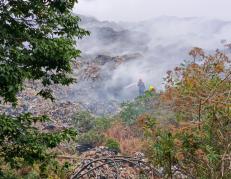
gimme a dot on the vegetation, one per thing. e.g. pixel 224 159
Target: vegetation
pixel 23 146
pixel 113 145
pixel 141 105
pixel 199 93
pixel 37 42
pixel 185 129
pixel 130 138
pixel 90 129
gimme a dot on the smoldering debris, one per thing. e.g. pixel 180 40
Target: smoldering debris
pixel 116 55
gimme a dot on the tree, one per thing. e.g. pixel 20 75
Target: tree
pixel 193 86
pixel 22 145
pixel 200 94
pixel 37 42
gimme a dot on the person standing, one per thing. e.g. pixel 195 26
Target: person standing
pixel 141 87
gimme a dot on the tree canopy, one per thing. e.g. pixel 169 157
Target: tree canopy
pixel 37 42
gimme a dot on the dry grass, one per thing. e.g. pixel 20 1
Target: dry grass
pixel 127 138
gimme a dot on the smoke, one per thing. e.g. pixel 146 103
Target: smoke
pixel 137 10
pixel 146 49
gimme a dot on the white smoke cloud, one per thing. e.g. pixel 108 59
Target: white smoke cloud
pixel 153 46
pixel 136 10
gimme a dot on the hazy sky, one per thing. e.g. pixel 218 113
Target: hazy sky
pixel 136 10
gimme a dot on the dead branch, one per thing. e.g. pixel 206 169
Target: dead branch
pixel 118 159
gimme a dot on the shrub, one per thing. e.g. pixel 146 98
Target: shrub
pixel 92 138
pixel 83 121
pixel 199 144
pixel 113 145
pixel 22 145
pixel 102 124
pixel 144 104
pixel 90 129
pixel 129 138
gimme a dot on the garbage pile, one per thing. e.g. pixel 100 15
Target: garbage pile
pixel 92 71
pixel 101 162
pixel 97 67
pixel 30 102
pixel 90 93
pixel 102 108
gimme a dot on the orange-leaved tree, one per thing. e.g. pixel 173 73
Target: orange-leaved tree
pixel 199 92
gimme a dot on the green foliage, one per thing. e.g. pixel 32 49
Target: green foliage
pixel 148 123
pixel 132 110
pixel 163 151
pixel 83 121
pixel 199 143
pixel 113 145
pixel 22 145
pixel 148 105
pixel 130 113
pixel 91 138
pixel 90 129
pixel 102 123
pixel 37 42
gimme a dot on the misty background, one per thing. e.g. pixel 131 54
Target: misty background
pixel 138 10
pixel 124 47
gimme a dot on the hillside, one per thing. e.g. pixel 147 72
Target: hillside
pixel 116 55
pixel 66 114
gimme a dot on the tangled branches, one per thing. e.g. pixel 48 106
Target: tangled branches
pixel 113 167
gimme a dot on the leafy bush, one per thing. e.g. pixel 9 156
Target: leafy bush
pixel 23 145
pixel 113 145
pixel 103 123
pixel 131 110
pixel 38 40
pixel 91 138
pixel 199 144
pixel 148 104
pixel 83 121
pixel 90 129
